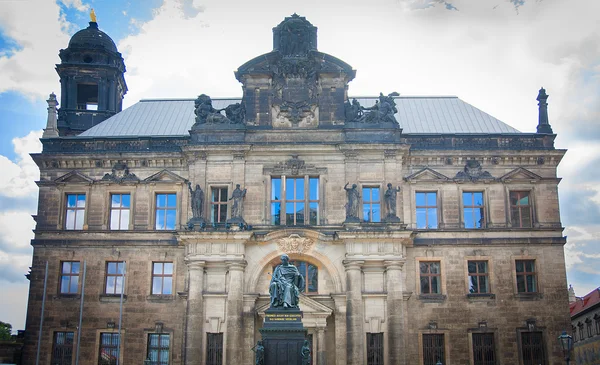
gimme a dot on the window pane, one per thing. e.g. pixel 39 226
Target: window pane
pixel 223 194
pixel 160 219
pixel 482 266
pixel 119 285
pixel 531 287
pixel 111 268
pixel 420 199
pixel 375 194
pixel 276 189
pixel 467 199
pixel 526 217
pixel 478 217
pixel 167 285
pixel 126 200
pixel 312 278
pixel 524 200
pixel 432 218
pixel 114 219
pixel 170 219
pixel 473 284
pixel 168 268
pixel 521 284
pixel 124 224
pixel 81 201
pixel 156 285
pixel 478 198
pixel 71 200
pixel 64 284
pixel 483 284
pixel 520 266
pixel 116 200
pixel 530 266
pixel 472 267
pixel 66 267
pixel 275 213
pixel 70 222
pixel 421 218
pixel 376 213
pixel 74 284
pixel 435 285
pixel 434 267
pixel 425 285
pixel 367 213
pixel 289 188
pixel 79 219
pixel 314 213
pixel 314 188
pixel 75 267
pixel 110 285
pixel 171 200
pixel 299 213
pixel 431 199
pixel 469 218
pixel 289 213
pixel 161 200
pixel 300 189
pixel 157 268
pixel 423 267
pixel 366 194
pixel 223 215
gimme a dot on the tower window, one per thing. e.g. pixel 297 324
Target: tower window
pixel 87 96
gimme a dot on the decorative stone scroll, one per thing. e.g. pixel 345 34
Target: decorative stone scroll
pixel 295 244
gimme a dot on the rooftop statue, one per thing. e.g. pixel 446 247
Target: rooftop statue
pixel 206 114
pixel 383 111
pixel 286 285
pixel 353 112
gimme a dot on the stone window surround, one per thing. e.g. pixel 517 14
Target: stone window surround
pixel 62 219
pixel 508 188
pixel 109 330
pixel 178 196
pixel 168 332
pixel 371 184
pixel 490 273
pixel 538 276
pixel 437 331
pixel 438 206
pixel 108 196
pixel 60 276
pixel 125 279
pixel 208 197
pixel 486 205
pixel 151 279
pixel 307 177
pixel 482 330
pixel 437 297
pixel 54 331
pixel 520 341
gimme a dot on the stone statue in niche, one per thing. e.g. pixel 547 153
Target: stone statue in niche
pixel 197 200
pixel 286 285
pixel 259 353
pixel 206 114
pixel 237 208
pixel 391 196
pixel 305 353
pixel 353 112
pixel 353 198
pixel 383 111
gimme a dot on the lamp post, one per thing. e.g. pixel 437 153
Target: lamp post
pixel 566 342
pixel 439 363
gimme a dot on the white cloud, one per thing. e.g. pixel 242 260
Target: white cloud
pixel 18 178
pixel 16 228
pixel 77 4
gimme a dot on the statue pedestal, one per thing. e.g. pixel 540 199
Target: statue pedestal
pixel 283 336
pixel 196 224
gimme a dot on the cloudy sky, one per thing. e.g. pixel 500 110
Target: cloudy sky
pixel 494 54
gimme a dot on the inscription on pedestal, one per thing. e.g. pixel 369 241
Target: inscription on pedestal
pixel 283 317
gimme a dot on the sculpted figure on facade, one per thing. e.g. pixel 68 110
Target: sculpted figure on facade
pixel 353 198
pixel 237 208
pixel 353 111
pixel 259 353
pixel 206 114
pixel 197 200
pixel 391 198
pixel 236 112
pixel 383 111
pixel 305 353
pixel 286 285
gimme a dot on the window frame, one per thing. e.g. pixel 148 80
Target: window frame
pixel 75 209
pixel 427 207
pixel 70 275
pixel 219 203
pixel 446 349
pixel 494 347
pixel 588 327
pixel 116 276
pixel 370 203
pixel 483 208
pixel 530 205
pixel 160 349
pixel 442 276
pixel 282 201
pixel 163 276
pixel 156 208
pixel 120 209
pixel 534 273
pixel 55 347
pixel 477 274
pixel 520 333
pixel 110 346
pixel 378 348
pixel 597 323
pixel 219 348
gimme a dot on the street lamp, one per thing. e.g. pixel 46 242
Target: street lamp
pixel 566 342
pixel 439 362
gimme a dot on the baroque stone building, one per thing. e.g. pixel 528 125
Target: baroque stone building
pixel 428 231
pixel 585 322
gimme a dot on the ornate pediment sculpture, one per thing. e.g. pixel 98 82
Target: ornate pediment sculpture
pixel 120 173
pixel 473 171
pixel 295 244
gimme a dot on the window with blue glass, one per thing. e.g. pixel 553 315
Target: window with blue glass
pixel 473 210
pixel 120 205
pixel 69 277
pixel 166 211
pixel 158 348
pixel 162 278
pixel 427 211
pixel 75 211
pixel 109 349
pixel 299 199
pixel 371 204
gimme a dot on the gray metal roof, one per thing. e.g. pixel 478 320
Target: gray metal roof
pixel 416 115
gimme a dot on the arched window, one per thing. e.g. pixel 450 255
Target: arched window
pixel 310 273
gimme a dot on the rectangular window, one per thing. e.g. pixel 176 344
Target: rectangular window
pixel 597 322
pixel 371 204
pixel 218 205
pixel 427 217
pixel 114 277
pixel 166 211
pixel 431 277
pixel 478 277
pixel 300 198
pixel 75 211
pixel 581 334
pixel 520 209
pixel 109 349
pixel 374 348
pixel 120 205
pixel 532 347
pixel 484 349
pixel 588 326
pixel 162 278
pixel 574 330
pixel 62 348
pixel 158 348
pixel 473 210
pixel 526 278
pixel 214 349
pixel 69 277
pixel 433 349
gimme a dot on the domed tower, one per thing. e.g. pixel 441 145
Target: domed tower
pixel 91 78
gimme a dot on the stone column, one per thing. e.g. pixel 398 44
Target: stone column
pixel 340 329
pixel 235 307
pixel 354 313
pixel 195 314
pixel 321 354
pixel 395 312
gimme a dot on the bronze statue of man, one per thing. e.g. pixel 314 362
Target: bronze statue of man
pixel 286 285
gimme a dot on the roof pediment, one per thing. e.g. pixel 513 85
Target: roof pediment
pixel 426 174
pixel 74 177
pixel 165 176
pixel 520 174
pixel 307 305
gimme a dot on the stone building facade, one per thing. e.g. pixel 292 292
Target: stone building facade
pixel 427 230
pixel 585 322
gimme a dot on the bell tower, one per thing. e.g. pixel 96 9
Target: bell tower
pixel 91 79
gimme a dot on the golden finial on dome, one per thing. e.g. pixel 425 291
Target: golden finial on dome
pixel 93 16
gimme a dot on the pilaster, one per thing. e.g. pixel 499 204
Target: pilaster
pixel 195 314
pixel 235 306
pixel 354 313
pixel 395 311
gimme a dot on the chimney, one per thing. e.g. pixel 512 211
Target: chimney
pixel 543 124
